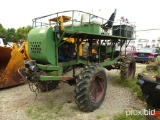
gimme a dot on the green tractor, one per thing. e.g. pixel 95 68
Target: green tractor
pixel 74 39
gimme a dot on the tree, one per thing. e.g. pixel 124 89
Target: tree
pixel 3 31
pixel 11 35
pixel 22 32
pixel 29 28
pixel 14 35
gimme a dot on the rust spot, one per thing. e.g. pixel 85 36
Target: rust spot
pixel 65 78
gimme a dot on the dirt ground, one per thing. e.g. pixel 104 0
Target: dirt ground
pixel 19 103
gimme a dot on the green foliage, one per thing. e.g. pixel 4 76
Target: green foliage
pixel 123 116
pixel 101 116
pixel 22 32
pixel 131 84
pixel 14 35
pixel 48 110
pixel 11 35
pixel 3 31
pixel 158 67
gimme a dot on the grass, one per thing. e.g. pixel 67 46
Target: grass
pixel 38 113
pixel 48 110
pixel 123 116
pixel 100 116
pixel 136 114
pixel 131 84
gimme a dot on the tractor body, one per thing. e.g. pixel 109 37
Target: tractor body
pixel 66 42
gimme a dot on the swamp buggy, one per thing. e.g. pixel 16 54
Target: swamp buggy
pixel 72 39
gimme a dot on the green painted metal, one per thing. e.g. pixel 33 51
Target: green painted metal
pixel 88 28
pixel 108 62
pixel 53 75
pixel 54 78
pixel 47 78
pixel 41 45
pixel 48 67
pixel 75 62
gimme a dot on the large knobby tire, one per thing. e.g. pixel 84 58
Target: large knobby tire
pixel 128 68
pixel 90 89
pixel 48 86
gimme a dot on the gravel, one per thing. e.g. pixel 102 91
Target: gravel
pixel 59 104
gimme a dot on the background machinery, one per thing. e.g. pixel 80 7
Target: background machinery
pixel 149 83
pixel 74 39
pixel 11 59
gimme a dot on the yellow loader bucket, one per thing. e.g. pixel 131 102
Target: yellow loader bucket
pixel 10 60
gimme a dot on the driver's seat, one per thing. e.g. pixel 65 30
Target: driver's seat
pixel 110 22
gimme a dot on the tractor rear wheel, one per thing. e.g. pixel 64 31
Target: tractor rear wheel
pixel 128 68
pixel 90 89
pixel 48 86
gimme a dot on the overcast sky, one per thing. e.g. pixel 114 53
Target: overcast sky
pixel 19 13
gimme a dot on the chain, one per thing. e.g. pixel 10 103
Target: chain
pixel 33 82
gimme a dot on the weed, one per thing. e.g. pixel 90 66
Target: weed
pixel 123 116
pixel 48 110
pixel 29 111
pixel 100 116
pixel 131 84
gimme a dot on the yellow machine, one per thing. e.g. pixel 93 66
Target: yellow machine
pixel 11 59
pixel 83 47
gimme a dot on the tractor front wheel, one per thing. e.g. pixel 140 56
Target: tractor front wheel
pixel 90 88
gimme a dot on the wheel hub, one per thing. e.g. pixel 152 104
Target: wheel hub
pixel 97 88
